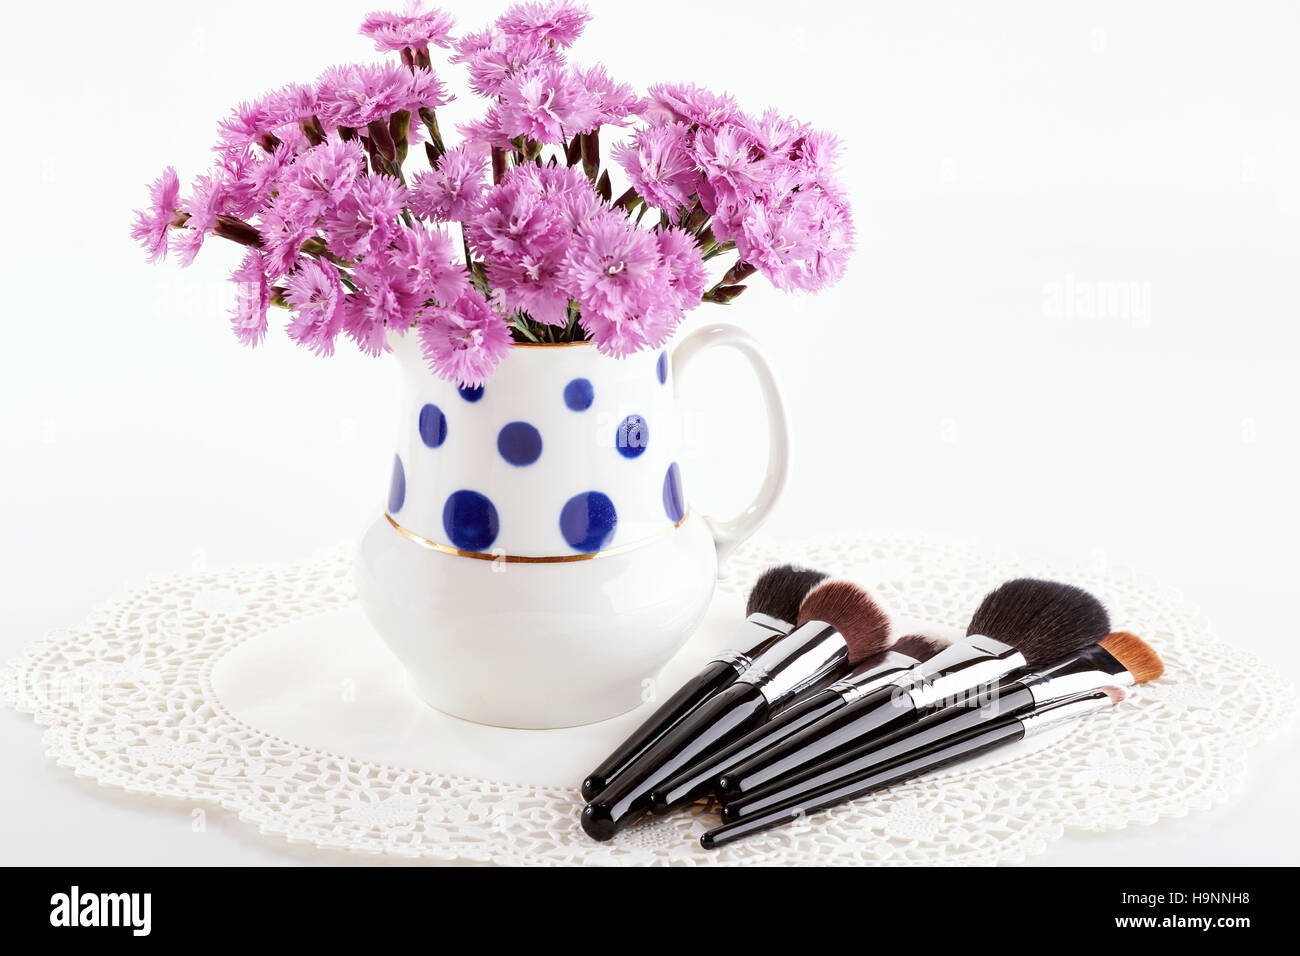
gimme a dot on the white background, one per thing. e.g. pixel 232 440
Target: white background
pixel 1012 165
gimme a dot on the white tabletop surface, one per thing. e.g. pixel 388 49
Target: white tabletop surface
pixel 1070 330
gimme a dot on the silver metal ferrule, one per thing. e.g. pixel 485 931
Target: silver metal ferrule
pixel 859 684
pixel 1089 670
pixel 970 665
pixel 1070 709
pixel 753 633
pixel 804 657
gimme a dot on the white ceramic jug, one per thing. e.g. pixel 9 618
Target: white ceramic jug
pixel 538 561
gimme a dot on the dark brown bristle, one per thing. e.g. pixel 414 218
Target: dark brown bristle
pixel 779 591
pixel 1044 620
pixel 853 612
pixel 920 647
pixel 1137 656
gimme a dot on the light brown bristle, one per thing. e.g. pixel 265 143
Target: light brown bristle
pixel 853 612
pixel 1137 656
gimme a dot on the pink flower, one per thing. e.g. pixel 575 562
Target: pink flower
pixel 358 94
pixel 465 342
pixel 415 29
pixel 532 284
pixel 616 104
pixel 429 264
pixel 564 188
pixel 517 221
pixel 450 192
pixel 727 157
pixel 640 326
pixel 659 164
pixel 252 299
pixel 559 22
pixel 801 241
pixel 320 179
pixel 208 200
pixel 688 103
pixel 282 240
pixel 614 268
pixel 384 300
pixel 485 132
pixel 364 221
pixel 249 123
pixel 685 272
pixel 547 104
pixel 492 65
pixel 152 223
pixel 776 135
pixel 316 295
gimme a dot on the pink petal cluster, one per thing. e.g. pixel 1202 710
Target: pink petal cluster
pixel 417 28
pixel 310 180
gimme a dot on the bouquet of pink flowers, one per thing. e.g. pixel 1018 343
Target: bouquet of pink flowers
pixel 312 179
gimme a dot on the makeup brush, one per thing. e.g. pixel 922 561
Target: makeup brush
pixel 772 610
pixel 1019 624
pixel 840 624
pixel 876 671
pixel 1118 660
pixel 949 750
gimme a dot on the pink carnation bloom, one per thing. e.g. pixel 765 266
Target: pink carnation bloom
pixel 252 299
pixel 515 220
pixel 356 94
pixel 532 284
pixel 430 264
pixel 364 221
pixel 565 188
pixel 727 157
pixel 775 135
pixel 282 239
pixel 320 179
pixel 487 131
pixel 316 295
pixel 686 274
pixel 209 199
pixel 415 29
pixel 559 22
pixel 492 67
pixel 450 192
pixel 465 342
pixel 639 326
pixel 547 104
pixel 152 223
pixel 688 103
pixel 616 104
pixel 250 122
pixel 383 300
pixel 614 267
pixel 659 164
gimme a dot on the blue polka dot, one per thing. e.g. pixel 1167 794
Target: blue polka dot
pixel 519 443
pixel 397 487
pixel 433 426
pixel 470 520
pixel 674 499
pixel 661 367
pixel 633 435
pixel 578 394
pixel 471 393
pixel 587 521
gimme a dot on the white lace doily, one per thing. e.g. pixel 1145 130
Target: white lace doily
pixel 128 699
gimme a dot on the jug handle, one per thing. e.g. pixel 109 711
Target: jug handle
pixel 729 533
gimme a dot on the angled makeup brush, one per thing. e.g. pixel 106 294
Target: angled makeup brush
pixel 840 624
pixel 876 671
pixel 948 750
pixel 1118 660
pixel 772 610
pixel 1019 624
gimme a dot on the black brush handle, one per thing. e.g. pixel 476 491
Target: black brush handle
pixel 879 712
pixel 951 750
pixel 715 724
pixel 922 734
pixel 701 778
pixel 716 677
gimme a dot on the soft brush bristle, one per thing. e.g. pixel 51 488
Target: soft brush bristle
pixel 1137 656
pixel 853 612
pixel 779 591
pixel 920 647
pixel 1044 620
